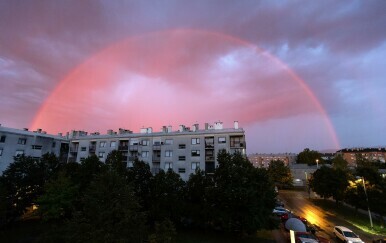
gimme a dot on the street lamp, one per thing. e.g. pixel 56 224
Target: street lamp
pixel 317 164
pixel 367 199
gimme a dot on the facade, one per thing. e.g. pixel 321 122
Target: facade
pixel 183 151
pixel 263 160
pixel 373 154
pixel 14 142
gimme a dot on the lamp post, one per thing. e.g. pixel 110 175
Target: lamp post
pixel 367 200
pixel 317 164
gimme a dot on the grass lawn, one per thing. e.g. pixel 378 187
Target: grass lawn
pixel 358 219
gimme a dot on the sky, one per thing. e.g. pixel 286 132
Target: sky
pixel 294 74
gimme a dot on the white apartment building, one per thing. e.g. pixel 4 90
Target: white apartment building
pixel 14 142
pixel 183 150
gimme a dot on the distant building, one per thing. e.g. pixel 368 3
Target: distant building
pixel 373 154
pixel 263 160
pixel 15 142
pixel 183 151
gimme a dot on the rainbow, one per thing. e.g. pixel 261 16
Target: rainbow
pixel 111 52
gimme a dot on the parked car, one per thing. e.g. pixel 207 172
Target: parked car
pixel 280 211
pixel 307 237
pixel 346 235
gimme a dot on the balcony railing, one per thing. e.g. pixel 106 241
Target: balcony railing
pixel 123 147
pixel 156 158
pixel 209 158
pixel 156 147
pixel 92 149
pixel 209 145
pixel 133 147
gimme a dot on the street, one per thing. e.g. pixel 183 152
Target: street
pixel 298 202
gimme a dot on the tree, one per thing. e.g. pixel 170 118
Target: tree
pixel 280 174
pixel 328 182
pixel 309 157
pixel 141 178
pixel 243 196
pixel 115 160
pixel 198 199
pixel 23 181
pixel 167 197
pixel 57 202
pixel 110 212
pixel 339 162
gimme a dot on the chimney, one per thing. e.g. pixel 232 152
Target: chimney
pixel 218 125
pixel 110 132
pixel 236 125
pixel 169 128
pixel 182 128
pixel 149 130
pixel 164 129
pixel 195 127
pixel 206 126
pixel 25 129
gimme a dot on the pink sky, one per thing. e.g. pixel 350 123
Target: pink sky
pixel 95 65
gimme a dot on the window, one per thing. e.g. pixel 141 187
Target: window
pixel 1 151
pixel 113 144
pixel 101 155
pixel 168 153
pixel 195 153
pixel 22 141
pixel 182 146
pixel 195 141
pixel 102 144
pixel 145 154
pixel 83 149
pixel 222 140
pixel 169 141
pixel 181 170
pixel 145 142
pixel 37 147
pixel 2 139
pixel 181 158
pixel 53 144
pixel 19 153
pixel 130 164
pixel 82 159
pixel 195 165
pixel 168 165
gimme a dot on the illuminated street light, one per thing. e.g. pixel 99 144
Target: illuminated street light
pixel 367 199
pixel 317 164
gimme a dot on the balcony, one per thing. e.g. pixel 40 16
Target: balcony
pixel 123 147
pixel 237 145
pixel 156 158
pixel 209 145
pixel 133 147
pixel 92 149
pixel 209 158
pixel 157 147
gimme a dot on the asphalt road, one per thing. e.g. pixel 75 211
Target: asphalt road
pixel 298 202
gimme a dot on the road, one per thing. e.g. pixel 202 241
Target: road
pixel 298 202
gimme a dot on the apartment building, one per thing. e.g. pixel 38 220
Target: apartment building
pixel 183 150
pixel 372 154
pixel 263 160
pixel 15 142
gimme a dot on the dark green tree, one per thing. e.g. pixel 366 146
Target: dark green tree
pixel 115 161
pixel 309 157
pixel 110 212
pixel 328 182
pixel 58 201
pixel 167 197
pixel 198 198
pixel 23 181
pixel 243 196
pixel 141 178
pixel 280 174
pixel 339 162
